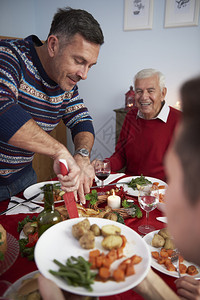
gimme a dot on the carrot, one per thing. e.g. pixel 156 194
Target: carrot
pixel 181 259
pixel 169 251
pixel 118 275
pixel 164 254
pixel 94 253
pixel 92 260
pixel 130 270
pixel 107 262
pixel 155 254
pixel 135 259
pixel 99 260
pixel 182 268
pixel 161 260
pixel 124 241
pixel 161 187
pixel 112 255
pixel 119 253
pixel 156 183
pixel 192 270
pixel 171 267
pixel 104 273
pixel 122 266
pixel 167 262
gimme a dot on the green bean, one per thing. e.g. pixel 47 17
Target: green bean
pixel 76 272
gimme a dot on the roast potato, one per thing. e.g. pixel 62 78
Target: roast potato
pixel 110 230
pixel 157 241
pixel 112 242
pixel 87 240
pixel 95 229
pixel 80 228
pixel 164 233
pixel 169 244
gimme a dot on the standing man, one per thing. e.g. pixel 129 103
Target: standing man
pixel 38 87
pixel 147 130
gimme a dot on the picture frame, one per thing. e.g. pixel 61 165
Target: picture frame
pixel 181 13
pixel 138 14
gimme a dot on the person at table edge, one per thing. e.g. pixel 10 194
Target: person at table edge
pixel 182 165
pixel 38 88
pixel 147 130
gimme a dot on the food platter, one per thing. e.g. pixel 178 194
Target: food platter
pixel 133 192
pixel 61 234
pixel 148 238
pixel 35 189
pixel 10 255
pixel 12 290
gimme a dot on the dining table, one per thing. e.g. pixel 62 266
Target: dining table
pixel 23 266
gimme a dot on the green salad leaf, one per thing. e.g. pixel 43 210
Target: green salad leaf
pixel 138 181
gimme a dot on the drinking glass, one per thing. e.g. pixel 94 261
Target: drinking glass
pixel 102 170
pixel 148 198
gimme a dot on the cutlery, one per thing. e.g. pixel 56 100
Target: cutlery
pixel 175 261
pixel 26 205
pixel 110 184
pixel 20 203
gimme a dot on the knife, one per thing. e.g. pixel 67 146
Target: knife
pixel 69 198
pixel 109 184
pixel 27 200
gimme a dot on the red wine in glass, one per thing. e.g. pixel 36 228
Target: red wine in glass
pixel 101 175
pixel 102 169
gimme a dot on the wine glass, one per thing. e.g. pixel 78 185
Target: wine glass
pixel 148 198
pixel 102 170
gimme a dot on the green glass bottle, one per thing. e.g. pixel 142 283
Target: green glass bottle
pixel 49 216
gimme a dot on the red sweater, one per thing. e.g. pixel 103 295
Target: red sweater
pixel 143 143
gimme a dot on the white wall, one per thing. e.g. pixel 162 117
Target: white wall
pixel 174 51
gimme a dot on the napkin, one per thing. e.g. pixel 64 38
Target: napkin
pixel 21 209
pixel 110 178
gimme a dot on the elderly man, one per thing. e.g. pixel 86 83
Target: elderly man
pixel 147 129
pixel 38 88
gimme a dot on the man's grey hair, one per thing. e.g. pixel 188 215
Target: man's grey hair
pixel 146 73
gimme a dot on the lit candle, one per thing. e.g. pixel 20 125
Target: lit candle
pixel 114 201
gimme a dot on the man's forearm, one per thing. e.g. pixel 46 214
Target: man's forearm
pixel 84 140
pixel 154 288
pixel 32 138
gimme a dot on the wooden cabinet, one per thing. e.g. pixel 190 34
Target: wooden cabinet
pixel 120 116
pixel 42 164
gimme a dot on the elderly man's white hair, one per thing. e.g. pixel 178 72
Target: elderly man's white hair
pixel 146 73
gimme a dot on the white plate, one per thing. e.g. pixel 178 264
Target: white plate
pixel 36 188
pixel 15 286
pixel 133 192
pixel 148 238
pixel 58 243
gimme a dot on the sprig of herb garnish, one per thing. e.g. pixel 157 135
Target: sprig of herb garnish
pixel 92 197
pixel 137 213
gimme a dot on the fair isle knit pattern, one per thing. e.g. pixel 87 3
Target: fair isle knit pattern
pixel 26 92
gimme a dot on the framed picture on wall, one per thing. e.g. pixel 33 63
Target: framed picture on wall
pixel 179 13
pixel 138 14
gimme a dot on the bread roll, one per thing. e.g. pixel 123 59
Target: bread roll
pixel 3 239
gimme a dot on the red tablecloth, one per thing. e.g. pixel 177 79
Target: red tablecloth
pixel 22 266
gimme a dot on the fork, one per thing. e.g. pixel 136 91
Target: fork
pixel 175 261
pixel 30 208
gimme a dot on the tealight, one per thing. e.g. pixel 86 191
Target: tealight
pixel 114 201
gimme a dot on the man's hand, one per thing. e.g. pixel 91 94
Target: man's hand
pixel 86 176
pixel 188 288
pixel 71 181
